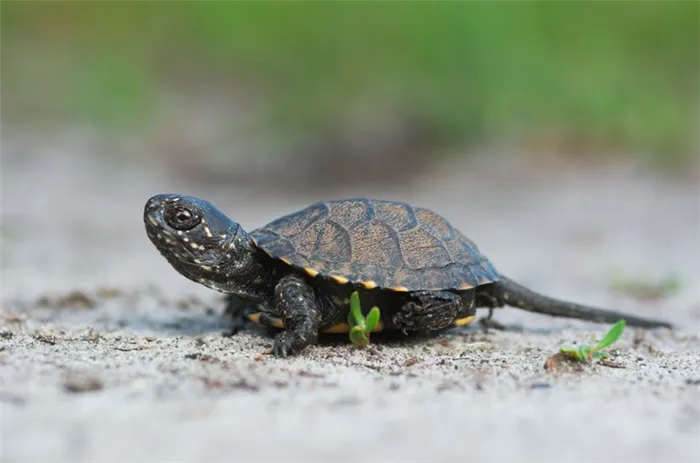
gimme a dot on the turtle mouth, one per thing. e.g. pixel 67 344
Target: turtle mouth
pixel 202 265
pixel 169 244
pixel 153 214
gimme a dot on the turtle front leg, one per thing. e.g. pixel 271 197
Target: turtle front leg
pixel 237 313
pixel 295 302
pixel 428 311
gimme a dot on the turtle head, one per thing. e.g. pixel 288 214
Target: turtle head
pixel 200 241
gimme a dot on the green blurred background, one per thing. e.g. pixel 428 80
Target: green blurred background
pixel 310 81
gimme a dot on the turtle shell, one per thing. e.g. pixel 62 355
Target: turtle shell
pixel 377 243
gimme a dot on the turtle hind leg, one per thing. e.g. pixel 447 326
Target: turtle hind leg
pixel 428 311
pixel 490 301
pixel 508 292
pixel 296 304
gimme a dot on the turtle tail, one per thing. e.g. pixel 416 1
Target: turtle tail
pixel 508 292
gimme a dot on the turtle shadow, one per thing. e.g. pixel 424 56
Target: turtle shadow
pixel 180 325
pixel 117 318
pixel 401 339
pixel 212 322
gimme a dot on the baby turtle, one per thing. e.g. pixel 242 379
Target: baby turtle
pixel 297 272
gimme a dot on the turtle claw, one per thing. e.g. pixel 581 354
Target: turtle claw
pixel 282 346
pixel 279 351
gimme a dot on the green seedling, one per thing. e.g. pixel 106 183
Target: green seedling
pixel 645 289
pixel 361 327
pixel 5 234
pixel 586 353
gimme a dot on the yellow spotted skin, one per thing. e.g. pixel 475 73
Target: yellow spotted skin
pixel 377 244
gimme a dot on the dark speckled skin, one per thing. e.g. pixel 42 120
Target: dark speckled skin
pixel 298 271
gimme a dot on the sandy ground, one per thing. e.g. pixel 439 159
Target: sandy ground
pixel 134 367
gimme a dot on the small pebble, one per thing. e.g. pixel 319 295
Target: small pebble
pixel 79 383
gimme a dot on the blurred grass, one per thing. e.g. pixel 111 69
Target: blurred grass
pixel 621 74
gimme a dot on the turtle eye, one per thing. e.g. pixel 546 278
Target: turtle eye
pixel 182 217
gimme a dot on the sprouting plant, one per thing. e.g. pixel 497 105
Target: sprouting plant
pixel 361 327
pixel 5 233
pixel 586 353
pixel 645 289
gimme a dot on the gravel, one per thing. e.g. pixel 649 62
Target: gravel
pixel 108 355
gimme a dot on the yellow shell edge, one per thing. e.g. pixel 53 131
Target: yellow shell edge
pixel 311 271
pixel 345 328
pixel 255 318
pixel 401 289
pixel 339 279
pixel 464 321
pixel 335 329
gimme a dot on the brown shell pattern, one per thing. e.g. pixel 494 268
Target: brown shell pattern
pixel 386 244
